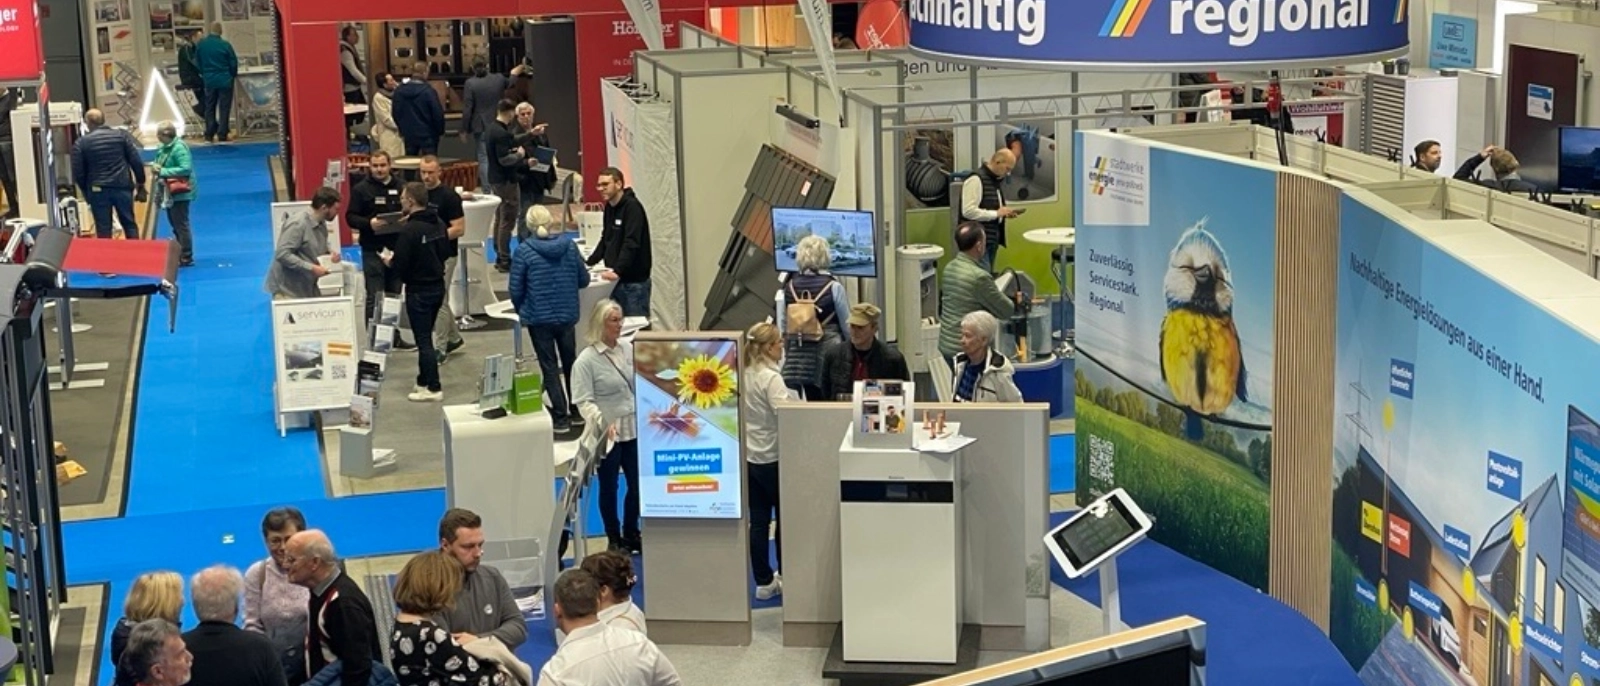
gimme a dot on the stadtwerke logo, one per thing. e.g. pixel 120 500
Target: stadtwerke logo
pixel 1244 21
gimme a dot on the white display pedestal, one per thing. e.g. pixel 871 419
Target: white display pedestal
pixel 900 552
pixel 475 294
pixel 501 469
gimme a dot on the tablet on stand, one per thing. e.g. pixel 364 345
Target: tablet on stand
pixel 1091 540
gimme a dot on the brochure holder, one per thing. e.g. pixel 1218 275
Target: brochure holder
pixel 882 410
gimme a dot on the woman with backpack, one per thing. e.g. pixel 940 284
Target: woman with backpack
pixel 809 303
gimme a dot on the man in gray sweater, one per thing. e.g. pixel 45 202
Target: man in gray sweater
pixel 485 606
pixel 302 243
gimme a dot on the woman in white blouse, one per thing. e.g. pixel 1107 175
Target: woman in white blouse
pixel 602 389
pixel 613 573
pixel 763 390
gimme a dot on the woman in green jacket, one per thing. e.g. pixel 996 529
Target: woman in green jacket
pixel 174 170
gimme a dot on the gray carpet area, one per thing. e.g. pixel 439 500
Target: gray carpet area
pixel 89 420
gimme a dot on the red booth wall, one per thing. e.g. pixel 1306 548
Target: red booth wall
pixel 311 56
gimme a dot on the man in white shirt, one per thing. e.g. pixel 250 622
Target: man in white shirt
pixel 982 201
pixel 597 654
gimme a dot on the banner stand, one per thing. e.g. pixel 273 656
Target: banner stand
pixel 314 355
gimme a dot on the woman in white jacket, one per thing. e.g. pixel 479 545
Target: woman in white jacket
pixel 385 134
pixel 763 390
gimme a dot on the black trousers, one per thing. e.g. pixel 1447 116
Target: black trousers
pixel 555 346
pixel 624 456
pixel 763 509
pixel 8 179
pixel 422 307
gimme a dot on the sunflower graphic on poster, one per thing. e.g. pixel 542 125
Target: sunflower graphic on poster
pixel 688 427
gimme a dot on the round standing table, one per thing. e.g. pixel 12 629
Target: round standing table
pixel 1065 239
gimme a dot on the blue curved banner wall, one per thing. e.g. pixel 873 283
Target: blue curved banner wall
pixel 1151 33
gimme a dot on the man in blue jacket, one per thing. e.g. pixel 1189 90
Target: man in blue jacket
pixel 418 114
pixel 108 170
pixel 546 274
pixel 219 66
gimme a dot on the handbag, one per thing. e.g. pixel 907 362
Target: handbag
pixel 178 184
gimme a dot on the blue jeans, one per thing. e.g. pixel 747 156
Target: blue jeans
pixel 483 165
pixel 634 297
pixel 218 110
pixel 102 202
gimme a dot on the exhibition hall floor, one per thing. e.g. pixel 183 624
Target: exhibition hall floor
pixel 205 461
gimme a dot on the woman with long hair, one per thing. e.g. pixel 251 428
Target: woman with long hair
pixel 764 388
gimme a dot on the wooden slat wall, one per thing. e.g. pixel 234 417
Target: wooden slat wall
pixel 1302 394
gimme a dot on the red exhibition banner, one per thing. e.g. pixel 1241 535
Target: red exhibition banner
pixel 881 25
pixel 605 48
pixel 21 50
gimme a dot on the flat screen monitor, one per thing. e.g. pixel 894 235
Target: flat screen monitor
pixel 1578 169
pixel 850 237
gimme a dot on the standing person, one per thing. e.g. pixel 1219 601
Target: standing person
pixel 597 653
pixel 224 654
pixel 807 331
pixel 505 163
pixel 602 388
pixel 625 243
pixel 156 656
pixel 982 202
pixel 175 168
pixel 546 275
pixel 274 606
pixel 763 390
pixel 219 66
pixel 417 113
pixel 482 605
pixel 385 134
pixel 861 357
pixel 189 78
pixel 480 96
pixel 107 168
pixel 533 183
pixel 8 155
pixel 424 651
pixel 419 263
pixel 377 195
pixel 967 288
pixel 155 595
pixel 981 374
pixel 352 71
pixel 445 202
pixel 340 624
pixel 302 243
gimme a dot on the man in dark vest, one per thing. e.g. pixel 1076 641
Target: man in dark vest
pixel 352 72
pixel 982 202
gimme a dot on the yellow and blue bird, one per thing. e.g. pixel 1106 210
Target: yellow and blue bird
pixel 1201 359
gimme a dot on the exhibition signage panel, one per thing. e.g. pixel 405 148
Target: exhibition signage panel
pixel 314 351
pixel 819 24
pixel 1170 293
pixel 21 48
pixel 1453 43
pixel 1158 34
pixel 1491 462
pixel 691 458
pixel 646 16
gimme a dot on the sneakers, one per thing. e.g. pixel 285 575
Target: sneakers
pixel 405 345
pixel 423 395
pixel 770 590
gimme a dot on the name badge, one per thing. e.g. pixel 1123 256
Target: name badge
pixel 618 222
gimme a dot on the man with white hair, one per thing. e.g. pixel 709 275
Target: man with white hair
pixel 981 374
pixel 155 656
pixel 340 625
pixel 224 654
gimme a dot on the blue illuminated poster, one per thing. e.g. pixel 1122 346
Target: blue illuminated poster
pixel 687 400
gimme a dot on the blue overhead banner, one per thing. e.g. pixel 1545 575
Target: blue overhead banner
pixel 1172 34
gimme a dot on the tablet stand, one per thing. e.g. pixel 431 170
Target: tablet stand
pixel 1110 597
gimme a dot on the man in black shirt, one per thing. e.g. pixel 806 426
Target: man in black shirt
pixel 340 624
pixel 505 165
pixel 418 259
pixel 860 358
pixel 624 244
pixel 445 202
pixel 224 654
pixel 379 194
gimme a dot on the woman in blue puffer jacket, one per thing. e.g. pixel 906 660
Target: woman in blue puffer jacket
pixel 546 273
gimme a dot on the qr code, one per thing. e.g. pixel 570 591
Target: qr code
pixel 1102 460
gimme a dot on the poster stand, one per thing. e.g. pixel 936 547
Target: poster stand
pixel 573 506
pixel 314 354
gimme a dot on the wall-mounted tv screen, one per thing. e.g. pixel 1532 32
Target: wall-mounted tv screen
pixel 850 235
pixel 1579 162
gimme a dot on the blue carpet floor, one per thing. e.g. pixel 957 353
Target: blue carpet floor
pixel 207 462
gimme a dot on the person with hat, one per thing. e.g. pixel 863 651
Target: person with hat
pixel 863 356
